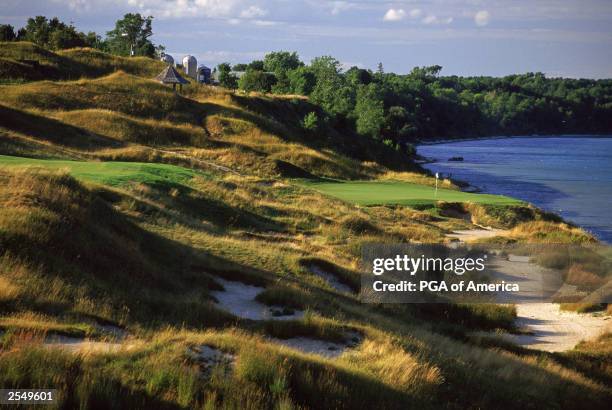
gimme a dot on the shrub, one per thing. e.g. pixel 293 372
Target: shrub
pixel 311 121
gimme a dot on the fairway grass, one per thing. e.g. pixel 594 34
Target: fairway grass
pixel 370 193
pixel 108 173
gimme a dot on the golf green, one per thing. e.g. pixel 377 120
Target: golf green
pixel 401 193
pixel 109 173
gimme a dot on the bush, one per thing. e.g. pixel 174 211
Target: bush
pixel 311 121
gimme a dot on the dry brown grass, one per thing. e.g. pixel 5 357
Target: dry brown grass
pixel 550 232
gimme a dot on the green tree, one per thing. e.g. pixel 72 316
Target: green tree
pixel 226 78
pixel 281 61
pixel 369 111
pixel 52 33
pixel 330 91
pixel 240 67
pixel 255 80
pixel 7 32
pixel 131 34
pixel 301 80
pixel 356 76
pixel 256 65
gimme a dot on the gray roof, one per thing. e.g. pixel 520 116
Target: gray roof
pixel 170 76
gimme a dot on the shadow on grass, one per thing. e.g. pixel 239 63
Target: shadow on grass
pixel 57 132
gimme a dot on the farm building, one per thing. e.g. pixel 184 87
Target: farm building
pixel 167 58
pixel 204 75
pixel 190 65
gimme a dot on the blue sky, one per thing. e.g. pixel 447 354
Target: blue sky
pixel 568 38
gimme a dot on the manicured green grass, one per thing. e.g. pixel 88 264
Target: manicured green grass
pixel 109 173
pixel 401 193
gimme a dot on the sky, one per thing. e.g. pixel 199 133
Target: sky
pixel 562 38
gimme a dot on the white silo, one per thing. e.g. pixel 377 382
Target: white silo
pixel 167 58
pixel 190 65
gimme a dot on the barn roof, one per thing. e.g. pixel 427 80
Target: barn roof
pixel 170 76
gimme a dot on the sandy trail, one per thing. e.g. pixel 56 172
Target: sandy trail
pixel 554 330
pixel 546 327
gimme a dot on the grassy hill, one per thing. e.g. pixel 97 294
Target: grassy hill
pixel 22 62
pixel 126 206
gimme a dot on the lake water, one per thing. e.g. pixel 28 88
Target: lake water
pixel 571 176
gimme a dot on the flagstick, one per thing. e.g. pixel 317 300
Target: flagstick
pixel 436 193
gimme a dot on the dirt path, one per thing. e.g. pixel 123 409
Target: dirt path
pixel 554 330
pixel 546 327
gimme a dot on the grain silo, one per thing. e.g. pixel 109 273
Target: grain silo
pixel 167 58
pixel 190 65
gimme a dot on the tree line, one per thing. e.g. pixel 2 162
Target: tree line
pixel 421 105
pixel 129 37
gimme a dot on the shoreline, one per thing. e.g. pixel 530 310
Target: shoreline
pixel 498 137
pixel 469 186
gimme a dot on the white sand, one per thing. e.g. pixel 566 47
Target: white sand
pixel 321 347
pixel 468 235
pixel 239 299
pixel 554 330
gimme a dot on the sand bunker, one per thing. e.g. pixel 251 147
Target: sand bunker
pixel 331 279
pixel 469 235
pixel 321 347
pixel 239 299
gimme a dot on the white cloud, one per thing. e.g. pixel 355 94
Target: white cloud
pixel 416 13
pixel 482 18
pixel 78 5
pixel 265 23
pixel 163 8
pixel 253 12
pixel 338 7
pixel 433 19
pixel 394 15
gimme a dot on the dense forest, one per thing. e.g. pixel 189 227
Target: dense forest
pixel 396 109
pixel 421 105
